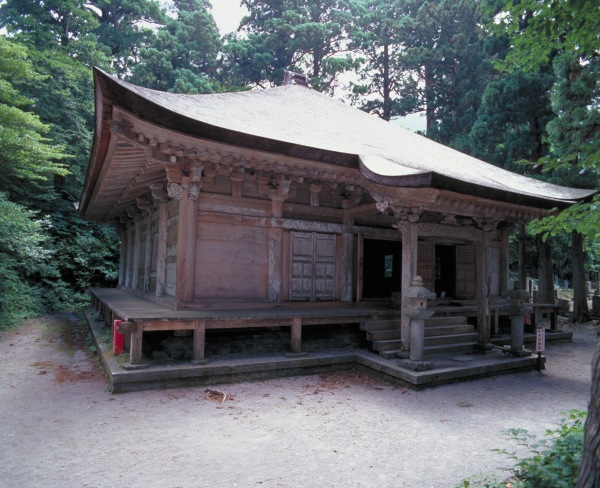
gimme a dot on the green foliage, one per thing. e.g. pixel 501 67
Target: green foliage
pixel 85 253
pixel 26 154
pixel 124 29
pixel 561 35
pixel 386 86
pixel 183 55
pixel 48 23
pixel 65 102
pixel 302 35
pixel 582 217
pixel 423 55
pixel 575 136
pixel 538 30
pixel 23 255
pixel 43 111
pixel 511 120
pixel 554 459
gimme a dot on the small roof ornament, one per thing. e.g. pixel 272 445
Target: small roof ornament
pixel 291 78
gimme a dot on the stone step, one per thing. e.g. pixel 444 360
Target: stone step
pixel 373 325
pixel 448 330
pixel 387 345
pixel 392 354
pixel 441 321
pixel 431 350
pixel 450 339
pixel 382 335
pixel 448 348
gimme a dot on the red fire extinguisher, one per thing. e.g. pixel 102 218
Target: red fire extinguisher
pixel 118 338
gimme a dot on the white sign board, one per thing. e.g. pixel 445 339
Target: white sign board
pixel 540 343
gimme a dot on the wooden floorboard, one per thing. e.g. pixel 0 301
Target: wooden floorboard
pixel 131 307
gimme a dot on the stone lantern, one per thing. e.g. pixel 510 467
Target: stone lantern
pixel 416 308
pixel 518 308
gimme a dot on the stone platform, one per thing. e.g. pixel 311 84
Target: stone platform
pixel 228 369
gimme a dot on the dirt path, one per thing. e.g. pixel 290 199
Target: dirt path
pixel 61 428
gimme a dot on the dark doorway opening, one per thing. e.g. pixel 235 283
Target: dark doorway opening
pixel 382 268
pixel 445 271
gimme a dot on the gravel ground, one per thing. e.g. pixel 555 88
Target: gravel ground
pixel 62 428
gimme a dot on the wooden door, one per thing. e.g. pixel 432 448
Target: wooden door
pixel 466 276
pixel 312 266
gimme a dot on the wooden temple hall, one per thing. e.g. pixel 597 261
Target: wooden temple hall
pixel 284 209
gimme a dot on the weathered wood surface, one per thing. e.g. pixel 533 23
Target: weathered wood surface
pixel 134 308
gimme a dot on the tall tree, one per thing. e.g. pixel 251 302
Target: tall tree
pixel 125 27
pixel 63 46
pixel 446 49
pixel 575 134
pixel 511 121
pixel 28 158
pixel 385 86
pixel 50 22
pixel 310 36
pixel 183 57
pixel 28 162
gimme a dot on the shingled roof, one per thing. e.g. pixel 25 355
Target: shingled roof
pixel 301 122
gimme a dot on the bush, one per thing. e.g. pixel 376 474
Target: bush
pixel 555 458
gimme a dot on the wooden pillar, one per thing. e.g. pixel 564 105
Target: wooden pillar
pixel 275 269
pixel 199 341
pixel 409 270
pixel 135 347
pixel 359 267
pixel 137 245
pixel 161 253
pixel 122 256
pixel 296 336
pixel 148 251
pixel 275 252
pixel 483 268
pixel 129 263
pixel 347 268
pixel 186 244
pixel 522 273
pixel 161 200
pixel 505 284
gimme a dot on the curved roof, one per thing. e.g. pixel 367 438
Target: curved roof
pixel 295 120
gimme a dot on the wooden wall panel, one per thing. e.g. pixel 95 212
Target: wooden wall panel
pixel 494 271
pixel 231 261
pixel 426 264
pixel 466 277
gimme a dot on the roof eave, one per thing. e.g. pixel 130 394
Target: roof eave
pixel 100 142
pixel 438 181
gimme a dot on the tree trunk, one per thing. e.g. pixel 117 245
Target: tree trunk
pixel 589 470
pixel 581 311
pixel 522 272
pixel 429 103
pixel 545 271
pixel 387 97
